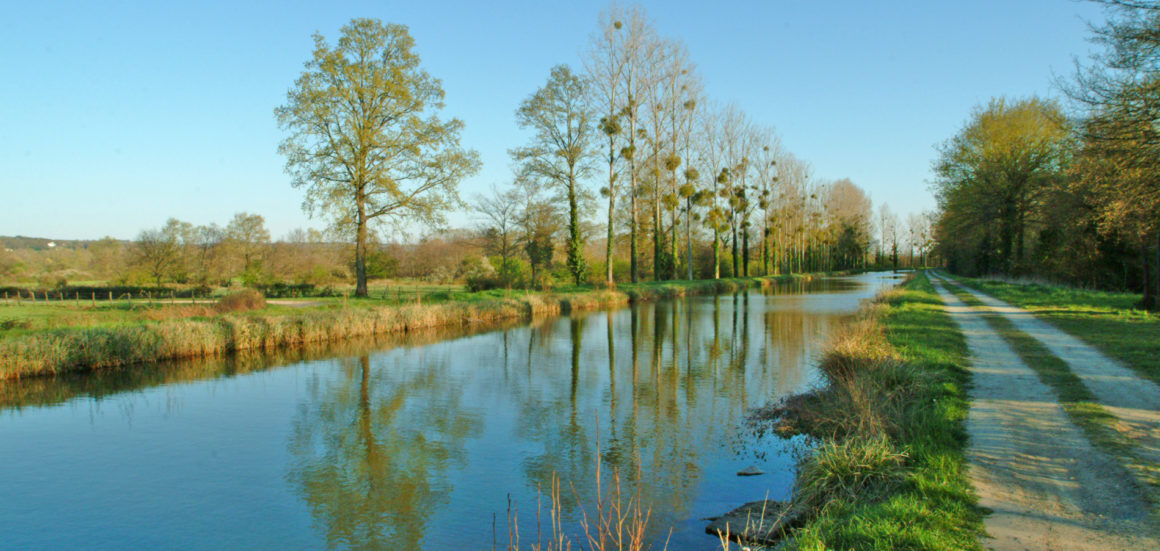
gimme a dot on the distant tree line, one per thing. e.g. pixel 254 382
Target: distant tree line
pixel 1029 189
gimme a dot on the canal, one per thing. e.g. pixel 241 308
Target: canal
pixel 436 440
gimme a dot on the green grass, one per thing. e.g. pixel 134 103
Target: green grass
pixel 1081 406
pixel 1109 321
pixel 890 472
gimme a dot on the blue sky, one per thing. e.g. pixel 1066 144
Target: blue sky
pixel 115 116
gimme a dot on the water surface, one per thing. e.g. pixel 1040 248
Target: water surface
pixel 417 442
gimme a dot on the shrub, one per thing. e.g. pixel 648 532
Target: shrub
pixel 241 301
pixel 483 282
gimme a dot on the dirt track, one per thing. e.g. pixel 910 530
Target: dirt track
pixel 1133 400
pixel 1046 486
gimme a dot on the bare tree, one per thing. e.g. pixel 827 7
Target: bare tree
pixel 605 65
pixel 500 210
pixel 639 46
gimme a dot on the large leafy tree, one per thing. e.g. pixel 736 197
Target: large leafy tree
pixel 1119 163
pixel 995 170
pixel 561 149
pixel 364 139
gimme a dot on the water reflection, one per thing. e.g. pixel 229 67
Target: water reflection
pixel 413 443
pixel 370 451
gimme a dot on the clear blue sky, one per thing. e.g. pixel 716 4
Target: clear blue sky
pixel 115 116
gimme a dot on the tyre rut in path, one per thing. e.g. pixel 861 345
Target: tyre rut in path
pixel 1134 401
pixel 1045 485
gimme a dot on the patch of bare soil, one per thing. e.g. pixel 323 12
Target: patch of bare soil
pixel 1045 486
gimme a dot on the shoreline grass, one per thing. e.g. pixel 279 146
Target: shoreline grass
pixel 889 470
pixel 1106 320
pixel 31 353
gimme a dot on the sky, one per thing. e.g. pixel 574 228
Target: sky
pixel 115 116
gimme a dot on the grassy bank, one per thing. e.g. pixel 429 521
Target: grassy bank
pixel 889 470
pixel 1109 321
pixel 120 338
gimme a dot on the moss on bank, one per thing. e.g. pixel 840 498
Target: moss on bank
pixel 74 349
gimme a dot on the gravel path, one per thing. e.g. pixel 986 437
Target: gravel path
pixel 1045 486
pixel 1133 400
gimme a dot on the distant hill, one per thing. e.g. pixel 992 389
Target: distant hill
pixel 41 243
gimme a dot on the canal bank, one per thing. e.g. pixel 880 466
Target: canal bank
pixel 78 349
pixel 888 471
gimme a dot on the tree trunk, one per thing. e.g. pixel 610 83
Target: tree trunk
pixel 1151 262
pixel 632 223
pixel 1019 231
pixel 575 252
pixel 736 270
pixel 611 214
pixel 360 248
pixel 674 246
pixel 689 236
pixel 658 238
pixel 745 251
pixel 765 251
pixel 716 254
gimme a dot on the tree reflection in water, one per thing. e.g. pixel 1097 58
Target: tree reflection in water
pixel 373 449
pixel 370 450
pixel 413 441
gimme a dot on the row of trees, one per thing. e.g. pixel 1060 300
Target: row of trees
pixel 185 253
pixel 1026 188
pixel 629 172
pixel 677 174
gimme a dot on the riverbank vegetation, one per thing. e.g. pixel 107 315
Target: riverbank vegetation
pixel 888 471
pixel 1029 189
pixel 99 336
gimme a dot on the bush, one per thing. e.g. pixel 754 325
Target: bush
pixel 288 290
pixel 241 301
pixel 517 270
pixel 478 283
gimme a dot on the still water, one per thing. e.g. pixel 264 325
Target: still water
pixel 419 442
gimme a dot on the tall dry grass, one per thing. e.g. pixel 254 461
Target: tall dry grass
pixel 236 324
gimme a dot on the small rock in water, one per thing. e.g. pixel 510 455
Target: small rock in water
pixel 760 522
pixel 751 470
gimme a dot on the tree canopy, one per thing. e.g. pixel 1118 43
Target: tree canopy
pixel 363 137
